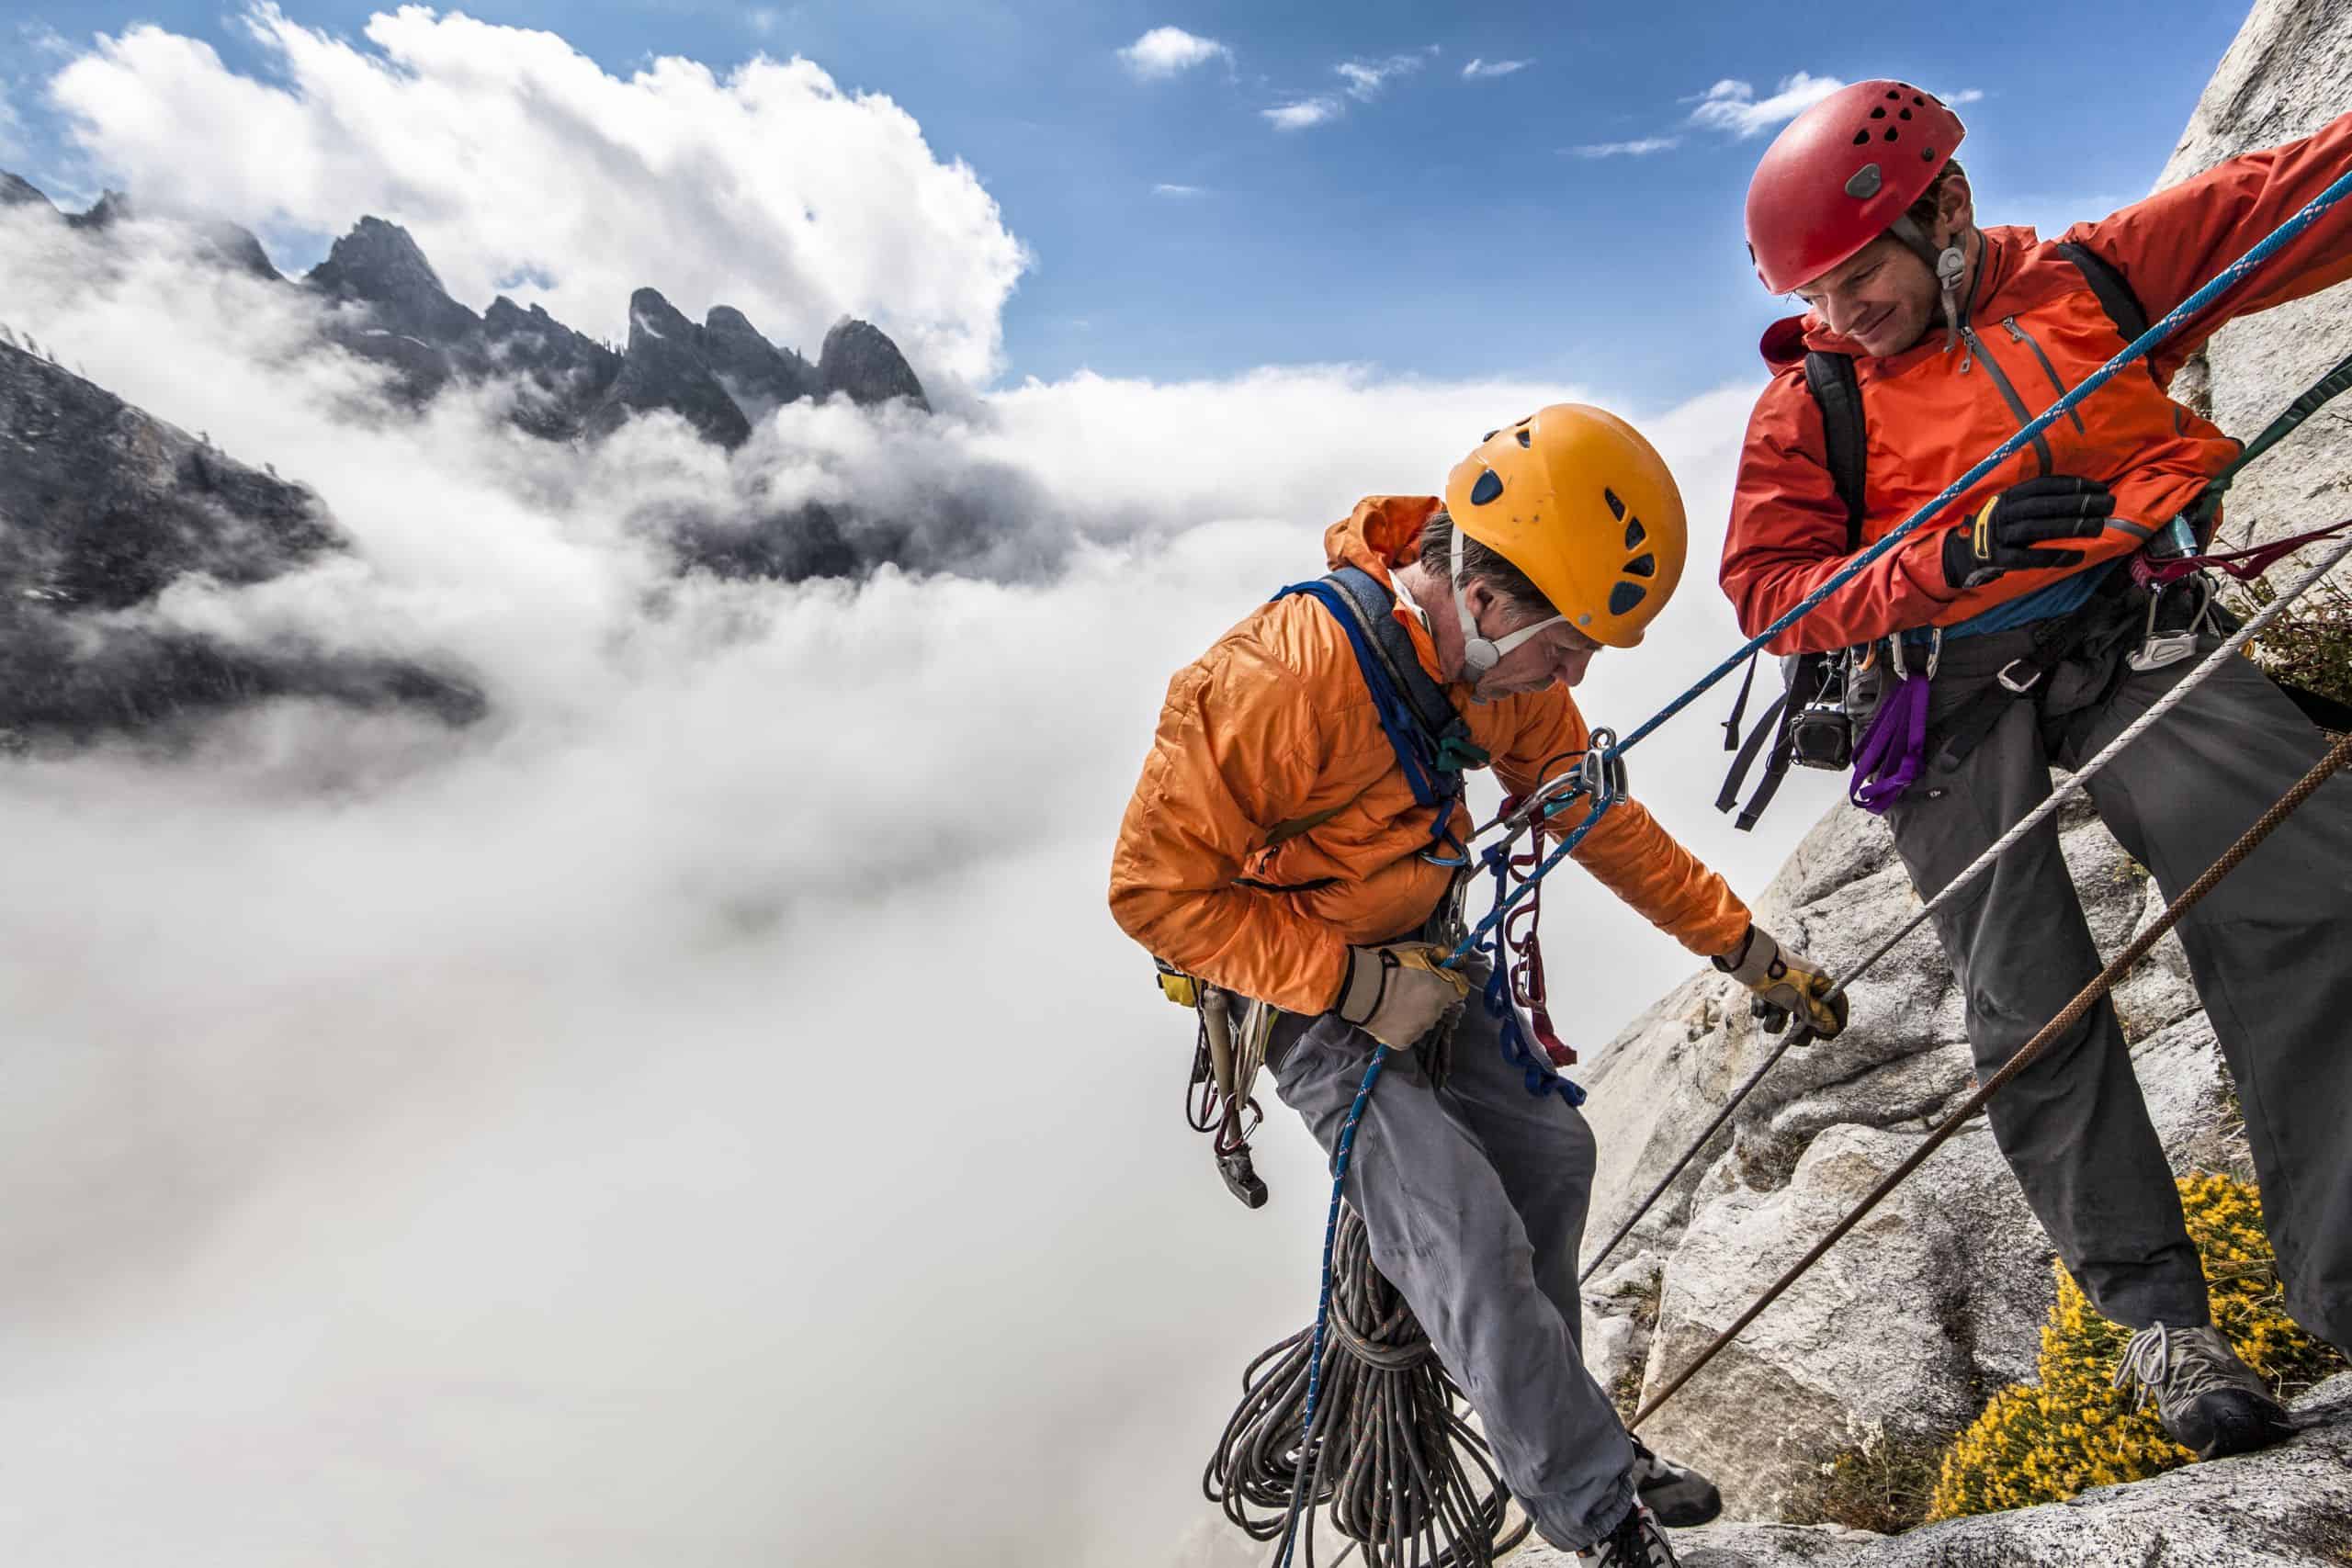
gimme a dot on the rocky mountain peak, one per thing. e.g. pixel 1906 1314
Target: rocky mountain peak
pixel 759 375
pixel 112 206
pixel 18 191
pixel 663 369
pixel 379 264
pixel 860 359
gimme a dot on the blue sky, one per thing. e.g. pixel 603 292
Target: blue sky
pixel 1432 223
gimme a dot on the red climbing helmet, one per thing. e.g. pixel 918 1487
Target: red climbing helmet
pixel 1840 175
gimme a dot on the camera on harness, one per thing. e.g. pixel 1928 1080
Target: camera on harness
pixel 1821 731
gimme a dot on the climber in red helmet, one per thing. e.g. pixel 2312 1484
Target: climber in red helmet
pixel 2019 631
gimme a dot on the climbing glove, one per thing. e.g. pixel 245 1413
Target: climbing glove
pixel 1786 983
pixel 2008 532
pixel 1396 994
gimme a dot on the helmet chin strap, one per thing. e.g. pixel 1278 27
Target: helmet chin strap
pixel 1480 654
pixel 1949 265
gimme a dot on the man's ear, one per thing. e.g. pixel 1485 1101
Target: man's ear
pixel 1479 594
pixel 1955 208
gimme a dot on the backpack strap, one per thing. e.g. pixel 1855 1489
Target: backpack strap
pixel 1429 735
pixel 1433 711
pixel 1838 395
pixel 2115 295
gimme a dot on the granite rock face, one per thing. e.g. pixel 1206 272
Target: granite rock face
pixel 2288 73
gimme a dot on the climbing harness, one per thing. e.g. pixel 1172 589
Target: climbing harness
pixel 1601 763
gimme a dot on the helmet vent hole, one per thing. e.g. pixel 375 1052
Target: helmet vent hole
pixel 1892 134
pixel 1880 113
pixel 1905 114
pixel 1896 93
pixel 1625 596
pixel 1919 100
pixel 1487 488
pixel 1634 534
pixel 1526 438
pixel 1489 436
pixel 1862 138
pixel 1616 507
pixel 1642 566
pixel 1927 156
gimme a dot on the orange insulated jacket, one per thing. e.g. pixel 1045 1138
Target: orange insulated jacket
pixel 1272 827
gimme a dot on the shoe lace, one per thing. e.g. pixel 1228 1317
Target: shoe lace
pixel 1636 1544
pixel 2148 1361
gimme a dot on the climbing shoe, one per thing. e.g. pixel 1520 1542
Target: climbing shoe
pixel 1636 1543
pixel 1681 1498
pixel 2209 1400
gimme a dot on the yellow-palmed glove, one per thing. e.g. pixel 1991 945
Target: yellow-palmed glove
pixel 1397 993
pixel 1787 984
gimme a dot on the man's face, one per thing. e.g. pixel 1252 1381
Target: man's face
pixel 1558 654
pixel 1885 298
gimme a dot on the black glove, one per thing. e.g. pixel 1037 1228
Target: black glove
pixel 2003 536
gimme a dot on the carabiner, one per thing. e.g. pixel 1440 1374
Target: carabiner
pixel 1601 772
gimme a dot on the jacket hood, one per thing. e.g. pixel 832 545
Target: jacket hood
pixel 1382 534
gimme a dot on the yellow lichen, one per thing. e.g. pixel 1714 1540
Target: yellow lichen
pixel 2045 1442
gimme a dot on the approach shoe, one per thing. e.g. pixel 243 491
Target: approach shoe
pixel 1636 1543
pixel 2209 1400
pixel 1681 1497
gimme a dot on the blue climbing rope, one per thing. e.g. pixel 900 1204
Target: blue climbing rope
pixel 2138 349
pixel 1339 1153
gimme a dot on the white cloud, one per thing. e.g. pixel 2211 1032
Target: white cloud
pixel 10 128
pixel 1165 188
pixel 42 39
pixel 1732 106
pixel 1169 51
pixel 1365 78
pixel 1301 113
pixel 503 1124
pixel 507 153
pixel 1639 148
pixel 1485 70
pixel 1965 96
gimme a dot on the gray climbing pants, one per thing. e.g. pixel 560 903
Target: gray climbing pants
pixel 1474 1198
pixel 2270 950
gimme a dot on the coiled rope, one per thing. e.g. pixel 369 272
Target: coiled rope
pixel 1391 1451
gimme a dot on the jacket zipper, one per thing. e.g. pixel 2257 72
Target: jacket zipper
pixel 2008 393
pixel 2018 335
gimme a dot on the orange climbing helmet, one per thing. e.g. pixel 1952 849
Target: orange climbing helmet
pixel 1585 508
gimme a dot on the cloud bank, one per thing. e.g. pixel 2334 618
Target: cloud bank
pixel 707 1101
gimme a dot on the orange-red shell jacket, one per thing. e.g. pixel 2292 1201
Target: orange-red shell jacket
pixel 1274 725
pixel 1930 415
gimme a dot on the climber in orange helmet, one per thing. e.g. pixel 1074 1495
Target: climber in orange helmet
pixel 1279 847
